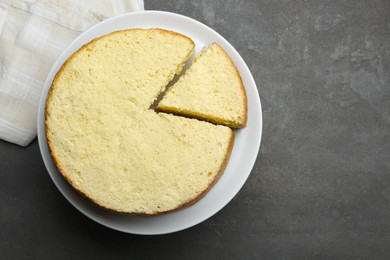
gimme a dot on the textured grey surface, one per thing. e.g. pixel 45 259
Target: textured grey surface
pixel 320 188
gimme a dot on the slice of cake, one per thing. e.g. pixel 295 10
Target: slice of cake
pixel 110 146
pixel 211 89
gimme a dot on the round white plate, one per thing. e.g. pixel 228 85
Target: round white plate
pixel 245 150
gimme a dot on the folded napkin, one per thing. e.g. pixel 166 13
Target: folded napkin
pixel 33 33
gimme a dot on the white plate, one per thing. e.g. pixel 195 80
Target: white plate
pixel 245 150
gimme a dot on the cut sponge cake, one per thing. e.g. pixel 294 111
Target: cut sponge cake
pixel 211 89
pixel 110 146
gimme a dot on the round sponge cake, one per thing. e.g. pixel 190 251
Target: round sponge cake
pixel 109 144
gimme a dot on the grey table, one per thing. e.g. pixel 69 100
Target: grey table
pixel 320 188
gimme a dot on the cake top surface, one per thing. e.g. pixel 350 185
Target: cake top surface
pixel 107 142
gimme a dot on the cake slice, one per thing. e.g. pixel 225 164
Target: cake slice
pixel 211 89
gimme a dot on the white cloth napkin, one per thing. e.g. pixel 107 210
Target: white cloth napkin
pixel 33 33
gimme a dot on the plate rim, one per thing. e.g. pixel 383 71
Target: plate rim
pixel 75 44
